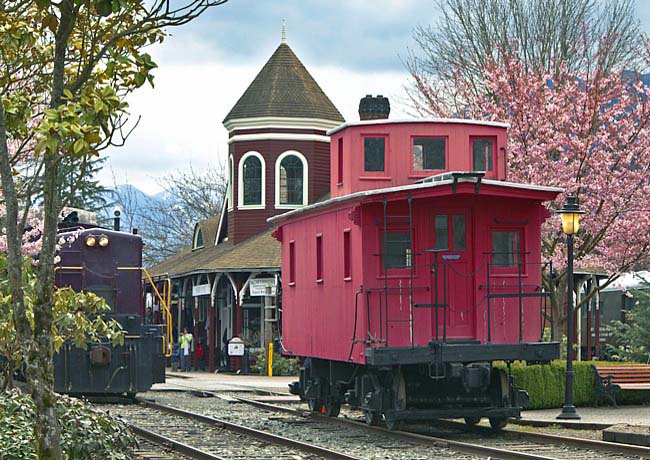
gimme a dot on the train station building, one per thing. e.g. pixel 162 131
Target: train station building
pixel 226 283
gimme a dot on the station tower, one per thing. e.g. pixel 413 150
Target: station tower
pixel 279 154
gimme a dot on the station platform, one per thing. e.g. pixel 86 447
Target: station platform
pixel 207 381
pixel 180 381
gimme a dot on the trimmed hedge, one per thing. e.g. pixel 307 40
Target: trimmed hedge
pixel 545 384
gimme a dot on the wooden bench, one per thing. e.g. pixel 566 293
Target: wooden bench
pixel 609 379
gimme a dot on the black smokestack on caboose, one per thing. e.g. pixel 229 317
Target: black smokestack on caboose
pixel 116 220
pixel 374 108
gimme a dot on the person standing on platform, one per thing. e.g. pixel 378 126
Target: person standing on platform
pixel 186 346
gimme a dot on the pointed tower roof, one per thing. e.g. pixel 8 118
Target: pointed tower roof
pixel 284 88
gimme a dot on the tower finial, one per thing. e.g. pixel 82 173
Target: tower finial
pixel 284 31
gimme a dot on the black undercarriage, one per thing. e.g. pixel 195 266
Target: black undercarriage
pixel 442 380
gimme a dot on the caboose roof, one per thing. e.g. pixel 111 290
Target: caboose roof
pixel 417 120
pixel 430 183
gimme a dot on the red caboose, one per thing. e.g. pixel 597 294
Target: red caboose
pixel 422 269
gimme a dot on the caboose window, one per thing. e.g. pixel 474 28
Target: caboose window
pixel 396 250
pixel 319 258
pixel 347 255
pixel 373 153
pixel 505 248
pixel 482 151
pixel 292 262
pixel 442 232
pixel 340 161
pixel 458 229
pixel 428 153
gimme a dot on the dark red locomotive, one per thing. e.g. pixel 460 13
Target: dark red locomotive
pixel 422 269
pixel 108 263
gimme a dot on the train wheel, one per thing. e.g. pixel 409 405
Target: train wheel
pixel 472 421
pixel 332 407
pixel 372 417
pixel 498 423
pixel 315 405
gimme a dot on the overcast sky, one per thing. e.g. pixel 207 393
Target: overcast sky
pixel 351 47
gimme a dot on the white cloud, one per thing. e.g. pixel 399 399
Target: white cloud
pixel 181 117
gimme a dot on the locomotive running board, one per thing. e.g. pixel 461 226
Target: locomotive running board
pixel 450 352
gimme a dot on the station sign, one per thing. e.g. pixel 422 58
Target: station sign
pixel 201 289
pixel 236 347
pixel 258 286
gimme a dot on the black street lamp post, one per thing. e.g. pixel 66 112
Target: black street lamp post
pixel 570 214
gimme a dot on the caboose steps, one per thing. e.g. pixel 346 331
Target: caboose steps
pixel 449 352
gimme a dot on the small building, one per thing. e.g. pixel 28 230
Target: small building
pixel 278 160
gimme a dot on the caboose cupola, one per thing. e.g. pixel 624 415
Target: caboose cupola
pixel 376 152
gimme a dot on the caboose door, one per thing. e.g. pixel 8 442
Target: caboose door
pixel 452 280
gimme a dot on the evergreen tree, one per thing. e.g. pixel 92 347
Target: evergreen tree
pixel 632 337
pixel 78 186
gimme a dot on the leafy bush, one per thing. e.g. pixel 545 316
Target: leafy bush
pixel 545 384
pixel 85 433
pixel 281 365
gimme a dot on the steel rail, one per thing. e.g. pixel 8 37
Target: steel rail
pixel 583 443
pixel 172 444
pixel 466 448
pixel 252 432
pixel 612 447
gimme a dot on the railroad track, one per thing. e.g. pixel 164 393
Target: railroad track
pixel 153 446
pixel 508 444
pixel 503 444
pixel 201 437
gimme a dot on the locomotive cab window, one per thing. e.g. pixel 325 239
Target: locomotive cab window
pixel 506 248
pixel 429 153
pixel 482 154
pixel 374 149
pixel 396 250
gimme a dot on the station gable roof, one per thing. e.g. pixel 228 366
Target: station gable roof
pixel 260 252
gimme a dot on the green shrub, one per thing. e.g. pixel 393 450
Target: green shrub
pixel 281 365
pixel 545 384
pixel 85 433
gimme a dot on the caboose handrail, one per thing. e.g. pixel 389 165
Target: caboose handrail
pixel 167 338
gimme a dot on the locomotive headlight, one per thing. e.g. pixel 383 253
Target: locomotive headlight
pixel 103 241
pixel 570 214
pixel 91 241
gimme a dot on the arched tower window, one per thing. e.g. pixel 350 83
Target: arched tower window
pixel 251 181
pixel 231 183
pixel 197 242
pixel 291 187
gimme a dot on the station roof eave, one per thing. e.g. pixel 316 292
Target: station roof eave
pixel 441 188
pixel 258 253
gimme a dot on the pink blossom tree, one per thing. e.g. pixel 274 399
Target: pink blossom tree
pixel 584 128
